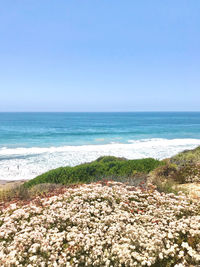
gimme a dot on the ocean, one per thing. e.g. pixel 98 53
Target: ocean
pixel 32 143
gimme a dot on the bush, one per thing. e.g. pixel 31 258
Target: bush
pixel 187 157
pixel 189 173
pixel 188 166
pixel 98 169
pixel 166 186
pixel 183 168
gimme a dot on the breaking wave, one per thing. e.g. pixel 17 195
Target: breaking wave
pixel 26 163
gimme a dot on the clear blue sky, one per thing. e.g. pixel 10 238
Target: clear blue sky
pixel 100 55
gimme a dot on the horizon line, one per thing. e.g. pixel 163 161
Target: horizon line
pixel 136 111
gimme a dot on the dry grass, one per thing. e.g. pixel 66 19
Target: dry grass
pixel 6 185
pixel 17 192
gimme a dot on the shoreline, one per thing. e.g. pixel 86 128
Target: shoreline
pixel 22 164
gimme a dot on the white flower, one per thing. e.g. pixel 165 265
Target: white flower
pixel 161 255
pixel 102 225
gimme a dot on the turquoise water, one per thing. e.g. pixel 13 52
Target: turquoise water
pixel 58 129
pixel 31 143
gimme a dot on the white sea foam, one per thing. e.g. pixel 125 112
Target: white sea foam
pixel 26 163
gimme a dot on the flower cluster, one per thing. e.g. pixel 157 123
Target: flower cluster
pixel 110 224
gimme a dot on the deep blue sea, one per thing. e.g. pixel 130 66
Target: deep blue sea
pixel 32 143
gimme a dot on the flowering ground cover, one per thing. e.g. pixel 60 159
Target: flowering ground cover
pixel 102 224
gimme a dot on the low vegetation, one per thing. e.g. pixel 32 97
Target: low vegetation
pixel 72 216
pixel 187 157
pixel 167 175
pixel 184 168
pixel 102 224
pixel 22 193
pixel 104 167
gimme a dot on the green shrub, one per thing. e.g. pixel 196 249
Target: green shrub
pixel 103 167
pixel 167 171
